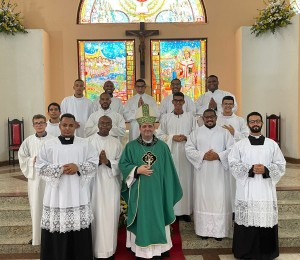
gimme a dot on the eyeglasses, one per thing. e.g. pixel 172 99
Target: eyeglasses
pixel 178 100
pixel 39 123
pixel 209 117
pixel 255 122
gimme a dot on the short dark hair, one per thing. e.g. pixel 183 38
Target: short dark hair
pixel 176 79
pixel 254 114
pixel 67 115
pixel 210 110
pixel 38 116
pixel 54 104
pixel 104 93
pixel 228 98
pixel 79 80
pixel 178 94
pixel 140 80
pixel 213 76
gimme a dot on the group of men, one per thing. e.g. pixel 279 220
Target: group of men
pixel 216 170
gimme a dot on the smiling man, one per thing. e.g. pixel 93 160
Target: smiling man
pixel 207 149
pixel 257 164
pixel 151 180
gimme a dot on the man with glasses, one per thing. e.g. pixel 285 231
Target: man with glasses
pixel 53 122
pixel 167 106
pixel 207 149
pixel 134 103
pixel 257 164
pixel 27 157
pixel 174 129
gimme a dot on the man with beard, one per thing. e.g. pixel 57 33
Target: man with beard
pixel 167 106
pixel 106 188
pixel 257 165
pixel 118 123
pixel 207 149
pixel 116 103
pixel 213 97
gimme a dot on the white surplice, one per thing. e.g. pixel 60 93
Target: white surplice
pixel 28 151
pixel 212 196
pixel 166 105
pixel 116 105
pixel 66 205
pixel 105 201
pixel 203 101
pixel 118 123
pixel 170 125
pixel 81 108
pixel 53 129
pixel 130 109
pixel 256 200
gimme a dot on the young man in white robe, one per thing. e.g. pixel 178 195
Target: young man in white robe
pixel 67 164
pixel 79 106
pixel 54 118
pixel 27 157
pixel 116 103
pixel 105 190
pixel 174 129
pixel 257 164
pixel 118 123
pixel 167 106
pixel 207 149
pixel 212 99
pixel 134 103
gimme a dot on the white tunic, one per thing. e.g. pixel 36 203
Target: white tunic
pixel 66 205
pixel 130 109
pixel 203 101
pixel 212 197
pixel 28 151
pixel 171 125
pixel 53 129
pixel 166 106
pixel 81 108
pixel 118 123
pixel 116 105
pixel 256 200
pixel 105 201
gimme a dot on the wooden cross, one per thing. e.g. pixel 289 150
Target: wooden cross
pixel 142 34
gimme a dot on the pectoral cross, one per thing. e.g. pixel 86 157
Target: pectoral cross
pixel 142 34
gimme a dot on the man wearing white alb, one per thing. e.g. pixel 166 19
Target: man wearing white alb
pixel 53 122
pixel 213 97
pixel 134 103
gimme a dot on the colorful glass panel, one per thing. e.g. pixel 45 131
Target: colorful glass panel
pixel 100 61
pixel 135 11
pixel 182 59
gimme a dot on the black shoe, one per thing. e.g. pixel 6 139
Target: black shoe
pixel 165 254
pixel 186 218
pixel 218 238
pixel 178 218
pixel 30 242
pixel 203 238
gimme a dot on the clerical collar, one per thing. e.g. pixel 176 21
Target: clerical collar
pixel 256 140
pixel 44 134
pixel 142 142
pixel 66 140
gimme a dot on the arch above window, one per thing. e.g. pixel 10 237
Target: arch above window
pixel 136 11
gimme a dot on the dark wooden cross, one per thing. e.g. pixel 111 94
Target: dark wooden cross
pixel 142 34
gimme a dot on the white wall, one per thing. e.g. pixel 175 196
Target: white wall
pixel 22 81
pixel 269 79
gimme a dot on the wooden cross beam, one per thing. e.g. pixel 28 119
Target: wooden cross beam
pixel 142 34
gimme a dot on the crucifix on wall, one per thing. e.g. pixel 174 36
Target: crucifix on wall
pixel 142 34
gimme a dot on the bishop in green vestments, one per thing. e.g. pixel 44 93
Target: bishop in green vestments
pixel 151 188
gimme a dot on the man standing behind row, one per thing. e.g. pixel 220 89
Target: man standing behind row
pixel 53 122
pixel 257 164
pixel 207 149
pixel 79 106
pixel 134 103
pixel 116 103
pixel 27 157
pixel 174 129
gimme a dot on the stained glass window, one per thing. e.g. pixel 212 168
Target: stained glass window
pixel 182 59
pixel 296 5
pixel 100 61
pixel 135 11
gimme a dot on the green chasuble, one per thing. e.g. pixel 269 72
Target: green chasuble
pixel 151 198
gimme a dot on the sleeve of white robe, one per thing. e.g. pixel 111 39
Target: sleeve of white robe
pixel 190 105
pixel 63 106
pixel 115 171
pixel 193 155
pixel 26 160
pixel 129 111
pixel 120 128
pixel 91 126
pixel 224 154
pixel 161 132
pixel 243 132
pixel 200 106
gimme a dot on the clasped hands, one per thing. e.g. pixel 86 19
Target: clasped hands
pixel 145 170
pixel 258 168
pixel 211 156
pixel 179 138
pixel 70 168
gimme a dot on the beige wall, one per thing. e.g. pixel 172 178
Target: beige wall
pixel 59 20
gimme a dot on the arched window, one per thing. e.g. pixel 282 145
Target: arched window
pixel 135 11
